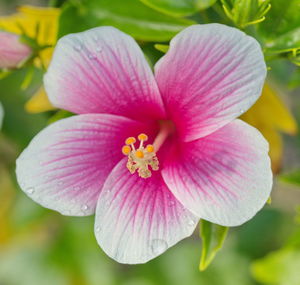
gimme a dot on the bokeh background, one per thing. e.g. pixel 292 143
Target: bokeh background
pixel 41 247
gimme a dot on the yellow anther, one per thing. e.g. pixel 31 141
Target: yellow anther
pixel 126 149
pixel 150 148
pixel 142 137
pixel 140 159
pixel 139 154
pixel 130 140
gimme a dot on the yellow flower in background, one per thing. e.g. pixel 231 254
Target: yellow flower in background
pixel 40 24
pixel 270 115
pixel 39 102
pixel 37 23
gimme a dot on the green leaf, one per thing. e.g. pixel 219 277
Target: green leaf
pixel 74 19
pixel 280 267
pixel 282 18
pixel 130 16
pixel 179 7
pixel 295 57
pixel 244 13
pixel 162 48
pixel 204 4
pixel 280 31
pixel 213 237
pixel 61 114
pixel 287 42
pixel 293 177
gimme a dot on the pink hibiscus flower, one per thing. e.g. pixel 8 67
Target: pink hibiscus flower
pixel 12 51
pixel 199 161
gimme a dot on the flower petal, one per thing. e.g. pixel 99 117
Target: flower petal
pixel 225 177
pixel 138 219
pixel 12 51
pixel 65 166
pixel 103 70
pixel 210 75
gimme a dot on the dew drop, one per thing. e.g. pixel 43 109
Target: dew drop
pixel 191 223
pixel 91 56
pixel 77 47
pixel 97 229
pixel 99 49
pixel 84 207
pixel 171 203
pixel 158 246
pixel 241 111
pixel 77 188
pixel 30 190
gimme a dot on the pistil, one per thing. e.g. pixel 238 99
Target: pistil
pixel 166 128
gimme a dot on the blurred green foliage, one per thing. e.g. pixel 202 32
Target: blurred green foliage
pixel 280 266
pixel 179 7
pixel 17 124
pixel 131 16
pixel 293 177
pixel 281 29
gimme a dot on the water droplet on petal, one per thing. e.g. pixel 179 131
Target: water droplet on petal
pixel 158 246
pixel 191 223
pixel 77 47
pixel 99 49
pixel 91 56
pixel 77 188
pixel 97 229
pixel 84 207
pixel 171 203
pixel 30 190
pixel 241 111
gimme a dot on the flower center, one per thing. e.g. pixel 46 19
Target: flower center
pixel 142 158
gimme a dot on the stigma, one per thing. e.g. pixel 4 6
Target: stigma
pixel 140 159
